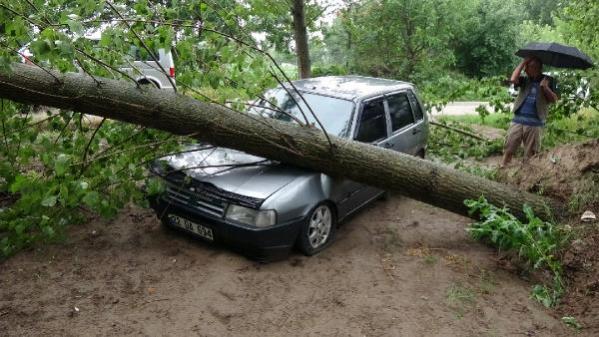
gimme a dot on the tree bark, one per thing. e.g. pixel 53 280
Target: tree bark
pixel 300 35
pixel 301 146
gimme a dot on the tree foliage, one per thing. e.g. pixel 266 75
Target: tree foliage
pixel 540 11
pixel 411 44
pixel 487 36
pixel 55 168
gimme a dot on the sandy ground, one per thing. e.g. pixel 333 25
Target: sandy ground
pixel 399 268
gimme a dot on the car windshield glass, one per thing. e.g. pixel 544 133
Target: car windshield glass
pixel 334 113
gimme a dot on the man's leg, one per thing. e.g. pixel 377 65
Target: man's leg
pixel 512 142
pixel 532 141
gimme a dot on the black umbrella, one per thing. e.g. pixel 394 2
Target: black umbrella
pixel 557 55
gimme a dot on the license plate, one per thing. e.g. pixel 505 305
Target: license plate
pixel 193 227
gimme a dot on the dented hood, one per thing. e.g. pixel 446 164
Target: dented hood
pixel 231 170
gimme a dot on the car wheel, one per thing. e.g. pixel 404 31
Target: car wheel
pixel 385 196
pixel 147 84
pixel 318 231
pixel 165 225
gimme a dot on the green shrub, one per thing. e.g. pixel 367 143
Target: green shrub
pixel 53 171
pixel 536 242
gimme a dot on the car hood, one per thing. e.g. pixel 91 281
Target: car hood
pixel 233 171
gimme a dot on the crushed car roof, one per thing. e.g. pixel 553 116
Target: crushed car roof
pixel 348 87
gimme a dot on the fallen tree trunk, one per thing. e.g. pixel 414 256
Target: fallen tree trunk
pixel 305 147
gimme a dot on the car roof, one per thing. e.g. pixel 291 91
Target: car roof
pixel 349 87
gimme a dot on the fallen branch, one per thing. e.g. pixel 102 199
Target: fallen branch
pixel 463 132
pixel 306 148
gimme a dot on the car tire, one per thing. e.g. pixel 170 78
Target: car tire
pixel 385 196
pixel 165 225
pixel 318 231
pixel 147 84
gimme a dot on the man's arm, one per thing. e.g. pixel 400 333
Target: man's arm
pixel 549 94
pixel 515 79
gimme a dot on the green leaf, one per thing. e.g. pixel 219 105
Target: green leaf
pixel 75 26
pixel 61 164
pixel 155 186
pixel 20 183
pixel 50 201
pixel 49 231
pixel 64 195
pixel 92 199
pixel 16 28
pixel 41 48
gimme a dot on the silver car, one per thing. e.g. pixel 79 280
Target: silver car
pixel 148 72
pixel 265 207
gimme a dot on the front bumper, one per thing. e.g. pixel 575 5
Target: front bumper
pixel 265 244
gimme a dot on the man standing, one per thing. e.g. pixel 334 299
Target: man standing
pixel 536 92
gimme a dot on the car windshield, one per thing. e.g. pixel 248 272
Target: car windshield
pixel 335 114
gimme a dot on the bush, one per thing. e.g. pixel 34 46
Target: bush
pixel 56 169
pixel 535 241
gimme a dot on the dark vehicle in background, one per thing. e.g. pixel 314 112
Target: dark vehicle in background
pixel 266 207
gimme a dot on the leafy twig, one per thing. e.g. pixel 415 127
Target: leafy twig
pixel 91 139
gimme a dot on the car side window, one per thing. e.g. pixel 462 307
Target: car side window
pixel 415 106
pixel 400 111
pixel 372 125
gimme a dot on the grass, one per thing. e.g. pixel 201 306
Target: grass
pixel 586 195
pixel 579 127
pixel 459 297
pixel 458 294
pixel 576 128
pixel 430 259
pixel 496 120
pixel 450 147
pixel 486 282
pixel 572 323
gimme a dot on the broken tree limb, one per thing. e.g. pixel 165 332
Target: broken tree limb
pixel 300 146
pixel 460 131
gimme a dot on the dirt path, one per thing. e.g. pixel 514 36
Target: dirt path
pixel 400 268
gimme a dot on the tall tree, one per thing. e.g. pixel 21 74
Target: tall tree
pixel 286 25
pixel 300 34
pixel 406 39
pixel 540 11
pixel 486 37
pixel 579 22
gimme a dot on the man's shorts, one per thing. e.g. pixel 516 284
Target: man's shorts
pixel 529 135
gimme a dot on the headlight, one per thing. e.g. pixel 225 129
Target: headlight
pixel 252 217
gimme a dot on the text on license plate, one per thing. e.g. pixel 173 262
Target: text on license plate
pixel 202 231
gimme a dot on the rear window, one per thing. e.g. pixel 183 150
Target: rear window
pixel 373 124
pixel 400 111
pixel 415 105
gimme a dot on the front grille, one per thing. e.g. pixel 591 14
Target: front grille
pixel 198 199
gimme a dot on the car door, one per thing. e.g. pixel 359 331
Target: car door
pixel 372 128
pixel 404 130
pixel 420 131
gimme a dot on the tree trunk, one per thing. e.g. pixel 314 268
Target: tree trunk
pixel 301 146
pixel 301 39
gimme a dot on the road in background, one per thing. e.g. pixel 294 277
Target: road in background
pixel 461 108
